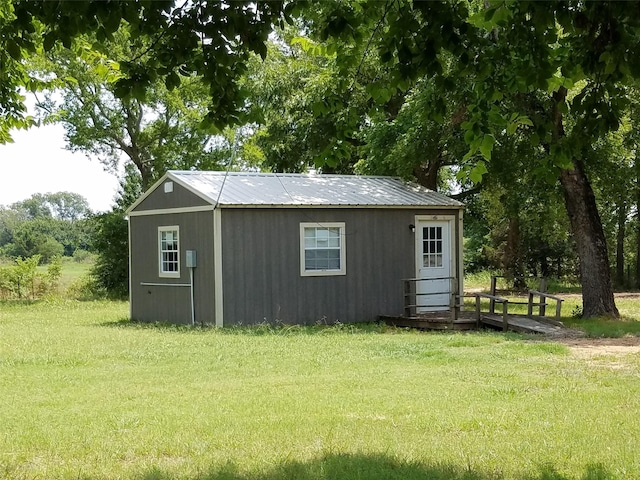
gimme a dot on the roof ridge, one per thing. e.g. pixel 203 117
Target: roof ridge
pixel 280 174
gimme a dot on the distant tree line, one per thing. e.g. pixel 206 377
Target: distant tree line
pixel 48 225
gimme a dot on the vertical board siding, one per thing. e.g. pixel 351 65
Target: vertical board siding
pixel 179 198
pixel 261 265
pixel 172 303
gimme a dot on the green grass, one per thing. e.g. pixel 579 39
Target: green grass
pixel 482 281
pixel 71 271
pixel 85 394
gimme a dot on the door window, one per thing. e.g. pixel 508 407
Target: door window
pixel 432 247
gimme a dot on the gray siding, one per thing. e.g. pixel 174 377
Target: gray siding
pixel 172 303
pixel 261 265
pixel 179 198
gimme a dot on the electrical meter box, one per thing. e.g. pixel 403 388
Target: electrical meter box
pixel 191 259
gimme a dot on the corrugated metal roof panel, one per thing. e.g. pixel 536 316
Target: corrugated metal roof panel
pixel 278 189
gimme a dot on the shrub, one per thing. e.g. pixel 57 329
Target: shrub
pixel 22 280
pixel 82 256
pixel 85 288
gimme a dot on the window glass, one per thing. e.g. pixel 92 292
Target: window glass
pixel 432 247
pixel 323 249
pixel 169 251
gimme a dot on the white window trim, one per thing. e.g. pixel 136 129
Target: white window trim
pixel 343 250
pixel 161 273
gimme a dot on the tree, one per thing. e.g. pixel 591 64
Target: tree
pixel 412 143
pixel 289 97
pixel 110 273
pixel 160 133
pixel 48 225
pixel 209 39
pixel 576 57
pixel 66 206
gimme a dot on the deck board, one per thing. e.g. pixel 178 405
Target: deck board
pixel 522 324
pixel 467 321
pixel 433 321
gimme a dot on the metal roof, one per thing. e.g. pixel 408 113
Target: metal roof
pixel 288 189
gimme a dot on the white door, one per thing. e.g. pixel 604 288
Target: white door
pixel 433 265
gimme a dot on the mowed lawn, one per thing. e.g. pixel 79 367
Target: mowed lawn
pixel 84 394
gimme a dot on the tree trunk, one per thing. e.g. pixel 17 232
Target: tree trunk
pixel 512 259
pixel 638 252
pixel 595 276
pixel 586 227
pixel 621 210
pixel 637 165
pixel 427 174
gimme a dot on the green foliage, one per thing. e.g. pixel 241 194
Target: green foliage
pixel 208 39
pixel 82 256
pixel 111 270
pixel 160 132
pixel 85 288
pixel 47 225
pixel 301 113
pixel 66 206
pixel 416 143
pixel 22 280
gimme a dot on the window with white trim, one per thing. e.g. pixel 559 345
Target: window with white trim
pixel 169 251
pixel 322 249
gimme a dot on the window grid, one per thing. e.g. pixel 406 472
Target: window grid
pixel 169 251
pixel 322 249
pixel 432 247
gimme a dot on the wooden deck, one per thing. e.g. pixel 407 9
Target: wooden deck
pixel 453 317
pixel 434 321
pixel 523 323
pixel 467 321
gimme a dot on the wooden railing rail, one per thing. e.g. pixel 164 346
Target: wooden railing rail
pixel 493 289
pixel 542 305
pixel 492 303
pixel 412 299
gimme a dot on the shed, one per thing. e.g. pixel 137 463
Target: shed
pixel 238 248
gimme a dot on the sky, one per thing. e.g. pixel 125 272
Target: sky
pixel 37 162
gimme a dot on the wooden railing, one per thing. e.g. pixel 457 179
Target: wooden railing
pixel 493 289
pixel 414 301
pixel 492 305
pixel 542 305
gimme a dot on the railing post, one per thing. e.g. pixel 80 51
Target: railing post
pixel 453 304
pixel 492 302
pixel 558 309
pixel 407 297
pixel 530 304
pixel 478 311
pixel 505 315
pixel 543 305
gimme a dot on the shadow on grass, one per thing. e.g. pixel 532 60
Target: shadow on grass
pixel 372 467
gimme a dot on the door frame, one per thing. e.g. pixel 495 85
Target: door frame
pixel 455 266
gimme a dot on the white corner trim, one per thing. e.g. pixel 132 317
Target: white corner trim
pixel 130 272
pixel 218 293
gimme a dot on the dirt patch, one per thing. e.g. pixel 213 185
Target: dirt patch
pixel 594 347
